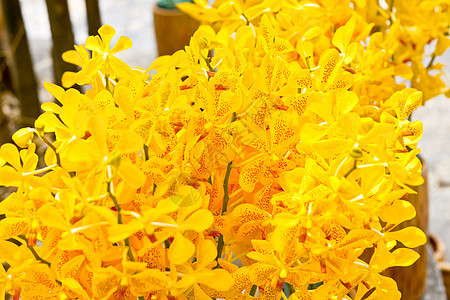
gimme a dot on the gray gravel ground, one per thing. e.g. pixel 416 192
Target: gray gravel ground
pixel 133 18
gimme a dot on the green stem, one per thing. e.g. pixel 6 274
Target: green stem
pixel 114 199
pixel 107 87
pixel 233 117
pixel 226 198
pixel 119 214
pixel 433 57
pixel 391 8
pixel 23 237
pixel 246 19
pixel 37 256
pixel 253 290
pixel 146 155
pixel 354 167
pixel 307 58
pixel 288 289
pixel 166 244
pixel 129 253
pixel 220 244
pixel 207 63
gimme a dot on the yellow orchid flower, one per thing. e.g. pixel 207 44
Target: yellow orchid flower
pixel 264 157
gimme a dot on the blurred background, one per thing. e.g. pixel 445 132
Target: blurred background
pixel 134 19
pixel 131 18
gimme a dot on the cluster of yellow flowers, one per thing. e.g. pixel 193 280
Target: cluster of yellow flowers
pixel 261 161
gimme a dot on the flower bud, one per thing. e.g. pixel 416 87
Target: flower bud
pixel 356 153
pixel 23 137
pixel 65 234
pixel 203 43
pixel 63 296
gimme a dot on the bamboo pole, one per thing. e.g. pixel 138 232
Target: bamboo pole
pixel 93 16
pixel 19 61
pixel 62 36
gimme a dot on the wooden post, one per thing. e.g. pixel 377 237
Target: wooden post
pixel 173 29
pixel 5 135
pixel 19 61
pixel 93 16
pixel 411 280
pixel 62 36
pixel 5 84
